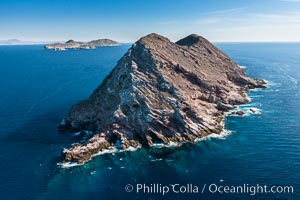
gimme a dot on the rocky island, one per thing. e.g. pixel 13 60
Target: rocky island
pixel 159 92
pixel 71 44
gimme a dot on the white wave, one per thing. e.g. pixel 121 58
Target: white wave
pixel 256 89
pixel 131 148
pixel 105 151
pixel 155 160
pixel 224 133
pixel 253 110
pixel 159 145
pixel 68 164
pixel 170 144
pixel 222 136
pixel 242 66
pixel 247 109
pixel 174 144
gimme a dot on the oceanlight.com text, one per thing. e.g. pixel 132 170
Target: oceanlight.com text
pixel 213 188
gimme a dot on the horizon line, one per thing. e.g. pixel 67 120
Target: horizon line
pixel 131 42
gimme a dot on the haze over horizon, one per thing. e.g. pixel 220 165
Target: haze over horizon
pixel 127 21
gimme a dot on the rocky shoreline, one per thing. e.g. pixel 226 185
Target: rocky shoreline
pixel 159 92
pixel 71 44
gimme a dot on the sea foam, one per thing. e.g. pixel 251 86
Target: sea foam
pixel 242 66
pixel 170 144
pixel 68 164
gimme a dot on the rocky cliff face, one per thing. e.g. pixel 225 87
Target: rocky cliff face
pixel 159 92
pixel 71 44
pixel 103 42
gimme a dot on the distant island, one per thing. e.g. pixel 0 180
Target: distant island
pixel 71 44
pixel 160 92
pixel 20 42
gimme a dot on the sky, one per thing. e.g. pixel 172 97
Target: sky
pixel 128 20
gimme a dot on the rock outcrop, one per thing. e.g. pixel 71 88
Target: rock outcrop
pixel 159 92
pixel 71 44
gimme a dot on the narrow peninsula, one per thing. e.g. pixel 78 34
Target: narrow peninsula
pixel 159 92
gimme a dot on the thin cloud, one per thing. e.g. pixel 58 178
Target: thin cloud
pixel 245 26
pixel 214 17
pixel 250 18
pixel 227 11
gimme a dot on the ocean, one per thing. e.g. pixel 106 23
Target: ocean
pixel 39 86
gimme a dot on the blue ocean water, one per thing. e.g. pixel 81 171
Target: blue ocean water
pixel 39 86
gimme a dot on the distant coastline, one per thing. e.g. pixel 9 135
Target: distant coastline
pixel 20 42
